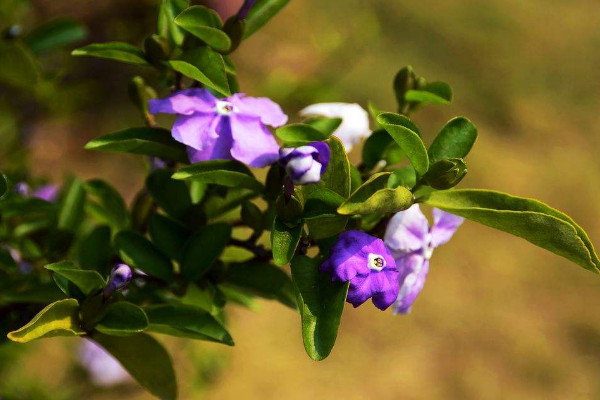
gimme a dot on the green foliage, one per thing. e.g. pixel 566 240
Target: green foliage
pixel 284 240
pixel 228 173
pixel 527 218
pixel 431 93
pixel 375 197
pixel 145 359
pixel 167 27
pixel 321 303
pixel 60 318
pixel 116 51
pixel 72 207
pixel 261 13
pixel 171 195
pixel 86 281
pixel 137 251
pixel 106 204
pixel 298 134
pixel 206 25
pixel 408 137
pixel 55 34
pixel 445 174
pixel 123 319
pixel 205 66
pixel 455 140
pixel 202 249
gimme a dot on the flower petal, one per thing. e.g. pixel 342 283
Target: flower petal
pixel 323 154
pixel 413 271
pixel 217 146
pixel 407 231
pixel 253 144
pixel 359 290
pixel 269 112
pixel 444 226
pixel 355 120
pixel 198 131
pixel 184 102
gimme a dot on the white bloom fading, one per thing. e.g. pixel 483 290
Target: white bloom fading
pixel 355 120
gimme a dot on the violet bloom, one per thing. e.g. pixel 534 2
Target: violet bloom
pixel 412 241
pixel 103 369
pixel 245 9
pixel 228 128
pixel 366 262
pixel 305 164
pixel 48 193
pixel 120 276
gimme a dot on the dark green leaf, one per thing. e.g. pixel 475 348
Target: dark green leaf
pixel 117 51
pixel 216 205
pixel 138 252
pixel 264 280
pixel 95 251
pixel 403 177
pixel 298 134
pixel 3 185
pixel 167 28
pixel 375 197
pixel 87 281
pixel 284 240
pixel 203 249
pixel 406 134
pixel 206 66
pixel 106 204
pixel 228 173
pixel 322 203
pixel 404 81
pixel 19 67
pixel 155 142
pixel 526 218
pixel 261 13
pixel 60 318
pixel 168 236
pixel 321 303
pixel 206 25
pixel 55 34
pixel 431 93
pixel 146 360
pixel 123 319
pixel 324 125
pixel 187 321
pixel 380 146
pixel 172 195
pixel 455 140
pixel 72 207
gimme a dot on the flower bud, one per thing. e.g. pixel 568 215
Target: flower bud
pixel 445 174
pixel 404 81
pixel 245 9
pixel 305 164
pixel 120 276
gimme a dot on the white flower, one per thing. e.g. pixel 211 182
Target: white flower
pixel 355 120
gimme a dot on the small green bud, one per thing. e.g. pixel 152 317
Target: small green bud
pixel 289 211
pixel 157 49
pixel 403 82
pixel 445 174
pixel 252 216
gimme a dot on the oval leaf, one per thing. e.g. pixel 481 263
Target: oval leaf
pixel 261 13
pixel 86 281
pixel 284 240
pixel 221 172
pixel 297 134
pixel 455 140
pixel 406 134
pixel 375 197
pixel 203 249
pixel 117 51
pixel 432 93
pixel 106 204
pixel 529 219
pixel 205 24
pixel 123 319
pixel 205 66
pixel 138 252
pixel 171 195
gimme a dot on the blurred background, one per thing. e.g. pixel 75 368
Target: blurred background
pixel 498 318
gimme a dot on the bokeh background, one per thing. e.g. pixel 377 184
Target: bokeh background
pixel 498 318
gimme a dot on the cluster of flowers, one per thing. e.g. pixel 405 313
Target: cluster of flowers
pixel 390 271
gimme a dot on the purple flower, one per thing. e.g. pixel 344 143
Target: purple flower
pixel 366 262
pixel 245 9
pixel 103 369
pixel 229 128
pixel 120 276
pixel 47 192
pixel 24 266
pixel 305 164
pixel 412 241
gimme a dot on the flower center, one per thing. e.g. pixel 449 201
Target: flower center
pixel 428 247
pixel 376 262
pixel 224 107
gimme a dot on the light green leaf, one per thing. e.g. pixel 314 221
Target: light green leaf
pixel 72 207
pixel 167 28
pixel 407 135
pixel 321 303
pixel 529 219
pixel 262 11
pixel 375 197
pixel 432 93
pixel 155 142
pixel 106 204
pixel 206 25
pixel 86 281
pixel 455 140
pixel 298 134
pixel 284 240
pixel 137 251
pixel 187 321
pixel 324 125
pixel 206 66
pixel 228 173
pixel 117 51
pixel 322 203
pixel 146 360
pixel 202 249
pixel 54 34
pixel 123 319
pixel 381 146
pixel 60 318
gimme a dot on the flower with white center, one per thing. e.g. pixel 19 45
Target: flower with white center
pixel 412 242
pixel 355 120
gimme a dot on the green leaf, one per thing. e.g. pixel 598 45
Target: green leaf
pixel 380 146
pixel 206 25
pixel 123 319
pixel 261 13
pixel 168 236
pixel 206 66
pixel 404 81
pixel 3 185
pixel 406 134
pixel 117 51
pixel 432 93
pixel 323 124
pixel 95 250
pixel 403 177
pixel 455 140
pixel 155 142
pixel 19 68
pixel 145 359
pixel 529 219
pixel 203 249
pixel 321 302
pixel 60 318
pixel 86 281
pixel 187 321
pixel 264 280
pixel 298 134
pixel 322 203
pixel 106 204
pixel 375 197
pixel 167 28
pixel 284 240
pixel 228 173
pixel 54 34
pixel 171 195
pixel 72 207
pixel 137 251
